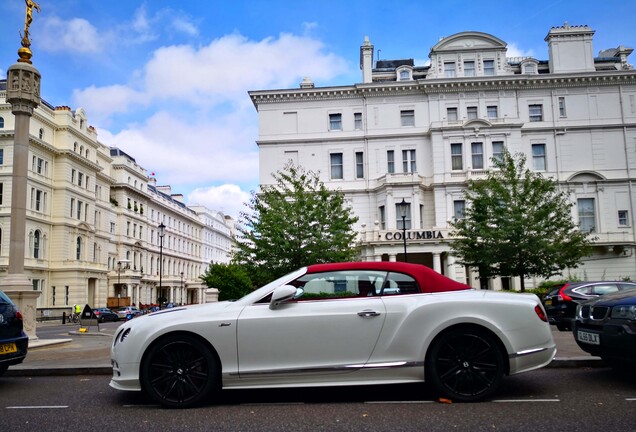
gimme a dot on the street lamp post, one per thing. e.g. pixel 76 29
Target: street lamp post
pixel 162 232
pixel 403 208
pixel 181 292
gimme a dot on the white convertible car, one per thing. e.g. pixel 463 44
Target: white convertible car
pixel 337 324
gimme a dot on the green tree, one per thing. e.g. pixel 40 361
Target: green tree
pixel 517 223
pixel 292 223
pixel 231 280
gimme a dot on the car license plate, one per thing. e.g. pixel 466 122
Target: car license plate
pixel 590 338
pixel 8 348
pixel 548 302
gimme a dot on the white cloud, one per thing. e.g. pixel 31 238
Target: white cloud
pixel 228 198
pixel 183 25
pixel 74 35
pixel 101 103
pixel 515 51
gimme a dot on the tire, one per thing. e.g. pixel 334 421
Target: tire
pixel 563 327
pixel 179 371
pixel 3 369
pixel 466 364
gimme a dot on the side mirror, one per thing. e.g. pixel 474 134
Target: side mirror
pixel 281 295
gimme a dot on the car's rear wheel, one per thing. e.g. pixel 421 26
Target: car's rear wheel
pixel 466 364
pixel 3 369
pixel 179 371
pixel 563 327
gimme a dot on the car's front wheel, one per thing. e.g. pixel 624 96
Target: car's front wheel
pixel 179 371
pixel 466 364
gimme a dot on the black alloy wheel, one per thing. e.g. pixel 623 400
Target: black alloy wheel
pixel 466 364
pixel 179 371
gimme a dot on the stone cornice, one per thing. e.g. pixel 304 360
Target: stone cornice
pixel 455 85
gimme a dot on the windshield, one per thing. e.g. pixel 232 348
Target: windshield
pixel 264 290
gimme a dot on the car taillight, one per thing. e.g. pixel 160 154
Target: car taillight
pixel 540 313
pixel 18 315
pixel 564 296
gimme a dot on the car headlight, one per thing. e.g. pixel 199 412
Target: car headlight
pixel 624 312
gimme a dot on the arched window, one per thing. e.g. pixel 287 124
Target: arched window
pixel 41 133
pixel 78 249
pixel 1 122
pixel 36 244
pixel 75 147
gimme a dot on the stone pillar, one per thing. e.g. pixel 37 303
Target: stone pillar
pixel 23 93
pixel 437 262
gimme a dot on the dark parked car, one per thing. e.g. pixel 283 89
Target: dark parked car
pixel 606 327
pixel 13 341
pixel 105 314
pixel 560 304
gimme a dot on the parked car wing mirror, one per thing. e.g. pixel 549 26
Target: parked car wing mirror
pixel 281 295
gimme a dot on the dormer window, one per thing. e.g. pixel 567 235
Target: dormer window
pixel 529 67
pixel 405 74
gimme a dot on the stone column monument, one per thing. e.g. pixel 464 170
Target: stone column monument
pixel 23 93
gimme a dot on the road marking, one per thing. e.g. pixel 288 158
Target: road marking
pixel 38 407
pixel 524 400
pixel 630 399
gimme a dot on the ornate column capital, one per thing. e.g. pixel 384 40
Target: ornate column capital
pixel 23 88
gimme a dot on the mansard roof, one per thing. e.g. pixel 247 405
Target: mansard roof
pixel 469 41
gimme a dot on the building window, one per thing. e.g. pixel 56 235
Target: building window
pixel 357 121
pixel 489 67
pixel 451 113
pixel 78 248
pixel 335 122
pixel 53 295
pixel 529 69
pixel 72 176
pixel 79 210
pixel 471 112
pixel 492 111
pixel 382 217
pixel 535 112
pixel 562 112
pixel 66 292
pixel 359 165
pixel 407 117
pixel 469 68
pixel 408 161
pixel 457 157
pixel 538 157
pixel 459 209
pixel 623 218
pixel 477 150
pixel 72 207
pixel 405 75
pixel 41 134
pixel 112 227
pixel 390 161
pixel 336 165
pixel 38 200
pixel 449 69
pixel 36 244
pixel 1 192
pixel 497 150
pixel 587 218
pixel 1 156
pixel 406 223
pixel 80 178
pixel 1 122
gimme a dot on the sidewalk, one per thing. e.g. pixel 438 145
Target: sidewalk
pixel 89 354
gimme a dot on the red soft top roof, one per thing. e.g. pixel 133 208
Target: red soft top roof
pixel 428 279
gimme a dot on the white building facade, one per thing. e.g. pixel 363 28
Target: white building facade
pixel 418 134
pixel 92 221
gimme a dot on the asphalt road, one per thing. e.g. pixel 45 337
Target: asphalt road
pixel 551 399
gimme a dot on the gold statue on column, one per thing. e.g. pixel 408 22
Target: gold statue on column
pixel 25 52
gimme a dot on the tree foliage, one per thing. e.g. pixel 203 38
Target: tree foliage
pixel 518 224
pixel 231 280
pixel 295 222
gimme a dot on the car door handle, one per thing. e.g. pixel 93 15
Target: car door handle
pixel 368 314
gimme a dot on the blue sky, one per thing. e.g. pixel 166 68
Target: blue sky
pixel 167 81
